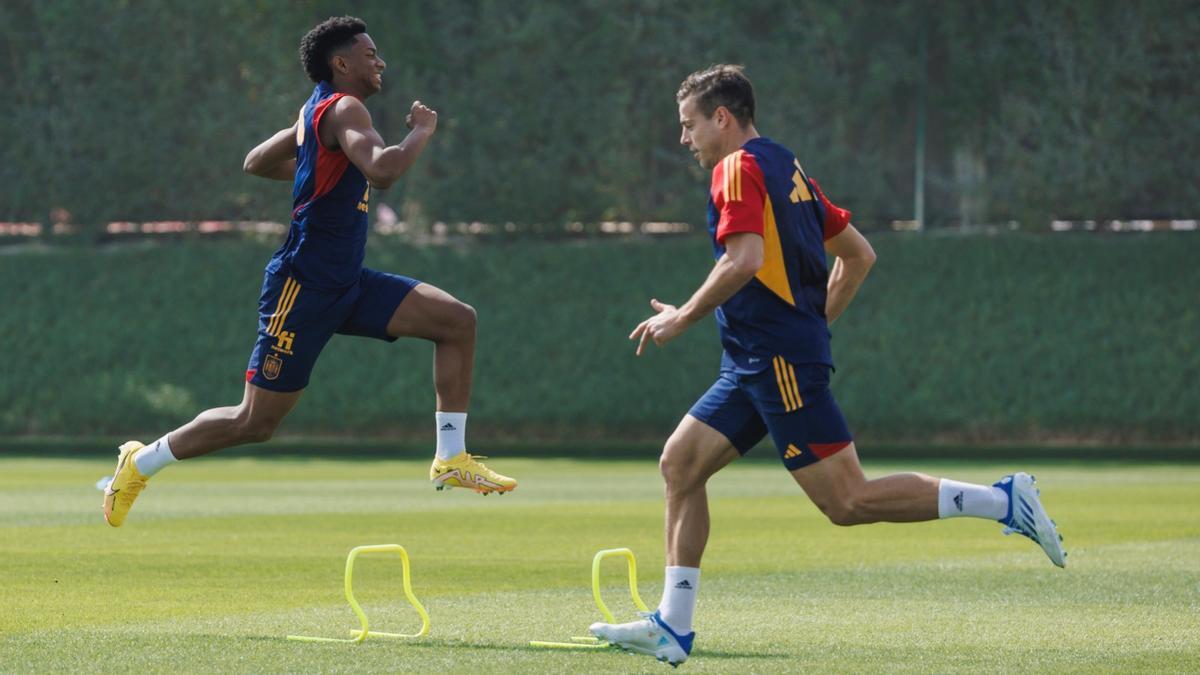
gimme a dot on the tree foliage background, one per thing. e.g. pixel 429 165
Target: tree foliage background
pixel 559 112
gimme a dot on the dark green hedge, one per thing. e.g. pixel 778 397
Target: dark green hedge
pixel 952 338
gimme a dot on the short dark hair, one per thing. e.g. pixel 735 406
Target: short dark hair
pixel 720 85
pixel 321 42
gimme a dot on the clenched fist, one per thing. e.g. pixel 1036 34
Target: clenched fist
pixel 421 115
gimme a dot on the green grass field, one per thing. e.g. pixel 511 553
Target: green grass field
pixel 221 558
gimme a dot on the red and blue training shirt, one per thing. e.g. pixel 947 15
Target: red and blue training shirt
pixel 762 189
pixel 327 240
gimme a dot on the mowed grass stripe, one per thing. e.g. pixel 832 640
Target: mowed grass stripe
pixel 208 574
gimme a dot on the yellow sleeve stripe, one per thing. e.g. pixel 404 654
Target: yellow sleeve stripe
pixel 737 174
pixel 287 298
pixel 785 377
pixel 731 166
pixel 725 170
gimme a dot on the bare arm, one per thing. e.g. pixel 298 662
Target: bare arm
pixel 381 164
pixel 854 259
pixel 742 260
pixel 274 158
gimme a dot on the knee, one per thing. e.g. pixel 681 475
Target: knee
pixel 463 319
pixel 255 428
pixel 843 510
pixel 677 471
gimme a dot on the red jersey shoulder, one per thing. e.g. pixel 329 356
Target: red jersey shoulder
pixel 737 178
pixel 319 111
pixel 739 194
pixel 836 218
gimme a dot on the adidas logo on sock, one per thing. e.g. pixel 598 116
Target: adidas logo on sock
pixel 447 427
pixel 684 585
pixel 958 500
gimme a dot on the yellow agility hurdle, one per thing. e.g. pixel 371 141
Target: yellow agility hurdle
pixel 362 633
pixel 588 642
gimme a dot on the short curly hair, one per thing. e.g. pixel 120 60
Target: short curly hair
pixel 720 85
pixel 321 42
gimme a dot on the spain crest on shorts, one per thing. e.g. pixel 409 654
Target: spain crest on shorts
pixel 271 367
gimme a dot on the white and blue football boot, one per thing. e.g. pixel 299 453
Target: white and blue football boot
pixel 648 635
pixel 1027 516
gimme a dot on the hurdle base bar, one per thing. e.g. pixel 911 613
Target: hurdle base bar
pixel 593 642
pixel 577 643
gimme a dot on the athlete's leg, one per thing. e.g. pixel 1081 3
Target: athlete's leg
pixel 816 446
pixel 720 427
pixel 693 453
pixel 838 487
pixel 430 313
pixel 254 420
pixel 294 324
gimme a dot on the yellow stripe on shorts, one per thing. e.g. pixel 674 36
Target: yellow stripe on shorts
pixel 287 298
pixel 784 386
pixel 795 387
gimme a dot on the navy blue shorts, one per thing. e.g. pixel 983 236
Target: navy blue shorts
pixel 294 323
pixel 791 402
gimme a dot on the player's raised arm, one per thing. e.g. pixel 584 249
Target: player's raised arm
pixel 854 259
pixel 381 164
pixel 274 158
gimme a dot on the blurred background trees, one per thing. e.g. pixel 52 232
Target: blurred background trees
pixel 553 113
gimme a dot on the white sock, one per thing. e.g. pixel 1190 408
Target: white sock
pixel 679 598
pixel 154 457
pixel 966 499
pixel 451 434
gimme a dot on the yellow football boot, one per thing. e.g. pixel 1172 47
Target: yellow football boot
pixel 126 484
pixel 464 471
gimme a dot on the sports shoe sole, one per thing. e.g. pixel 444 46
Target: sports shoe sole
pixel 440 484
pixel 642 650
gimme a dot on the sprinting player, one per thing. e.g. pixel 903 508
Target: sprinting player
pixel 773 297
pixel 315 284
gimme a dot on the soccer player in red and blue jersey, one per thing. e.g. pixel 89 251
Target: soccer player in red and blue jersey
pixel 315 285
pixel 774 299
